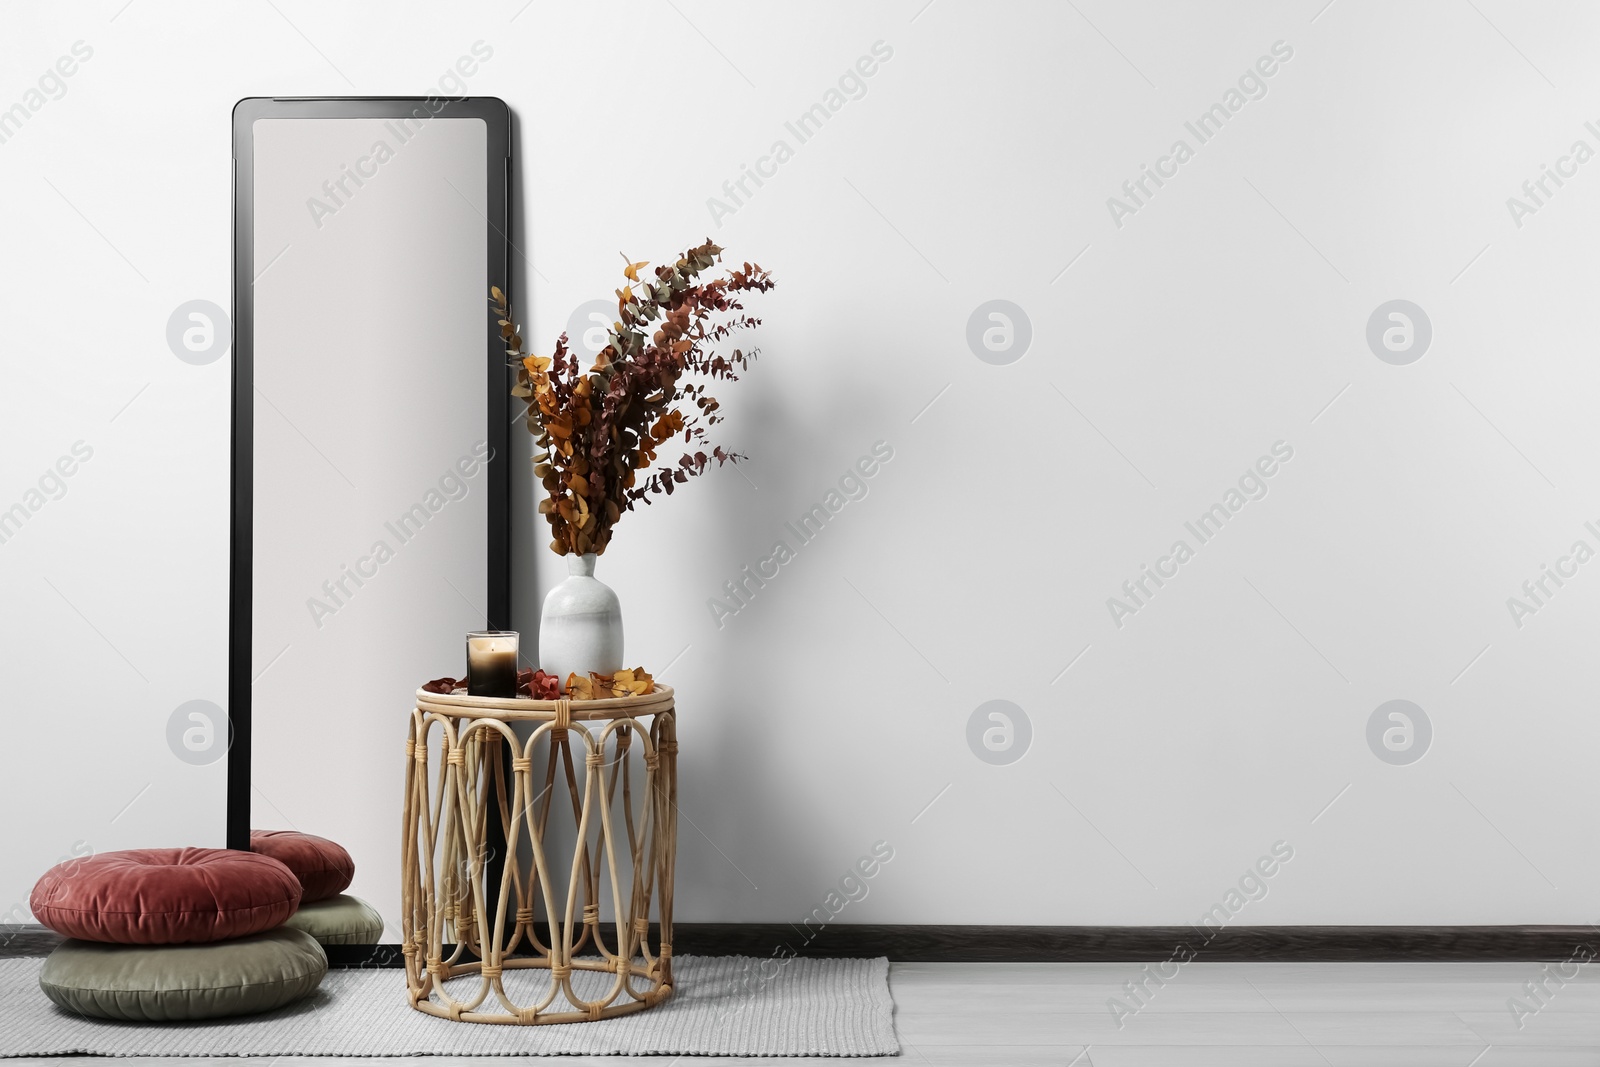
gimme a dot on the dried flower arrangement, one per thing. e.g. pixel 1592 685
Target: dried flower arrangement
pixel 601 430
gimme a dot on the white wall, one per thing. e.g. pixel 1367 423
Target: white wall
pixel 1228 313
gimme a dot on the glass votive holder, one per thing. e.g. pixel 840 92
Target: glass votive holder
pixel 492 663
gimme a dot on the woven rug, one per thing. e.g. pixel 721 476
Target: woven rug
pixel 719 1007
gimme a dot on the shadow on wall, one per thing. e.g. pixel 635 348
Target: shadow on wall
pixel 796 459
pixel 801 441
pixel 526 595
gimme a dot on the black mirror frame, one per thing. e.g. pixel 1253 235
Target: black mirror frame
pixel 497 118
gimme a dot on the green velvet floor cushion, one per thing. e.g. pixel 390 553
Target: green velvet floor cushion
pixel 175 983
pixel 340 920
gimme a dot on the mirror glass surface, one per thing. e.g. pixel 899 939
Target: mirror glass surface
pixel 371 496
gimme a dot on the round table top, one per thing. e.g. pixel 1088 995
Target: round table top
pixel 512 709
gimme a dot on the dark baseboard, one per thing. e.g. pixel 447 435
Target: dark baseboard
pixel 1103 944
pixel 1048 944
pixel 1137 944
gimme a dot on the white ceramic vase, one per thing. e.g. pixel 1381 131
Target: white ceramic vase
pixel 580 629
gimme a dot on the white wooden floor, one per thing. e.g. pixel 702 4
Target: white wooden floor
pixel 1224 1014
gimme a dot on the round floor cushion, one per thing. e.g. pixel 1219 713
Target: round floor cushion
pixel 175 983
pixel 323 867
pixel 166 896
pixel 340 920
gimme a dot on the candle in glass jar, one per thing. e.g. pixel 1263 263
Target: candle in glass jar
pixel 492 663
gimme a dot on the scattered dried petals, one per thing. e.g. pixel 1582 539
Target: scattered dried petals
pixel 538 685
pixel 624 683
pixel 444 685
pixel 634 683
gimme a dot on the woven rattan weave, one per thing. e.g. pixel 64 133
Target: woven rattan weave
pixel 469 756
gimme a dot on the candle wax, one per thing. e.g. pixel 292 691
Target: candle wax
pixel 492 667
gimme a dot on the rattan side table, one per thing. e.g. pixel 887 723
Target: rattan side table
pixel 457 925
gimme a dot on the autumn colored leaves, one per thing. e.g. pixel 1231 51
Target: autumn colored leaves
pixel 541 686
pixel 601 432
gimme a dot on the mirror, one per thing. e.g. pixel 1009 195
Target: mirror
pixel 370 487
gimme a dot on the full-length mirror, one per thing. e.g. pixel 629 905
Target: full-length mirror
pixel 370 523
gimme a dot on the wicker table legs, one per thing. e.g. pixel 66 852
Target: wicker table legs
pixel 624 844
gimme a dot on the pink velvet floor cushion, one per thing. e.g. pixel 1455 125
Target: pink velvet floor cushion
pixel 166 896
pixel 323 867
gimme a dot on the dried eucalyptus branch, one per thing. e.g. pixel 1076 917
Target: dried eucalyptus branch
pixel 601 432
